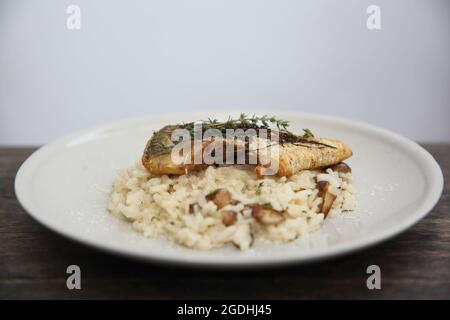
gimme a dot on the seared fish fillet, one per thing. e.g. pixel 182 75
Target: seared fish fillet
pixel 294 158
pixel 311 153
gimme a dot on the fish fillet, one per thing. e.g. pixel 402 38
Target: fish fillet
pixel 314 154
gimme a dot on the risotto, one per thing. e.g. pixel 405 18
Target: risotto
pixel 228 205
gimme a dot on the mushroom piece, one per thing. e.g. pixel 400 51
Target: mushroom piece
pixel 193 207
pixel 243 236
pixel 328 198
pixel 229 217
pixel 341 167
pixel 220 197
pixel 267 216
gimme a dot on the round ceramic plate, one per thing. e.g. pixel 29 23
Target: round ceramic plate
pixel 65 185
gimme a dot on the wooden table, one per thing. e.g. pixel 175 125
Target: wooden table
pixel 33 261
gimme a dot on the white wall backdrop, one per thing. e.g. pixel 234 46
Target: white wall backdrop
pixel 135 58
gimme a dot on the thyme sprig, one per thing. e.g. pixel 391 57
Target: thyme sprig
pixel 271 123
pixel 308 133
pixel 243 122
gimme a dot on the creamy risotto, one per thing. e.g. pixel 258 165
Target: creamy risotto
pixel 228 205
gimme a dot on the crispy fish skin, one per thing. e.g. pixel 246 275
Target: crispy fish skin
pixel 292 157
pixel 157 157
pixel 163 164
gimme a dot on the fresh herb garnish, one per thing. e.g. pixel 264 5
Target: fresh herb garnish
pixel 255 122
pixel 267 205
pixel 161 143
pixel 243 122
pixel 308 133
pixel 259 188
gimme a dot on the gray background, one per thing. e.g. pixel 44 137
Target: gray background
pixel 134 58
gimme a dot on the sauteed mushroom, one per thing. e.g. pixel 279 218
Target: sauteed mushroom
pixel 328 198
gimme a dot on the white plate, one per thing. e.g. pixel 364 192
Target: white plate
pixel 65 184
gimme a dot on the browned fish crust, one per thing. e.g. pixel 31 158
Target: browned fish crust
pixel 293 157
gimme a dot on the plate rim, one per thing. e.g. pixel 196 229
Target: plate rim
pixel 432 170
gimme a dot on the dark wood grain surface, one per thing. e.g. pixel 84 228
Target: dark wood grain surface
pixel 33 261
